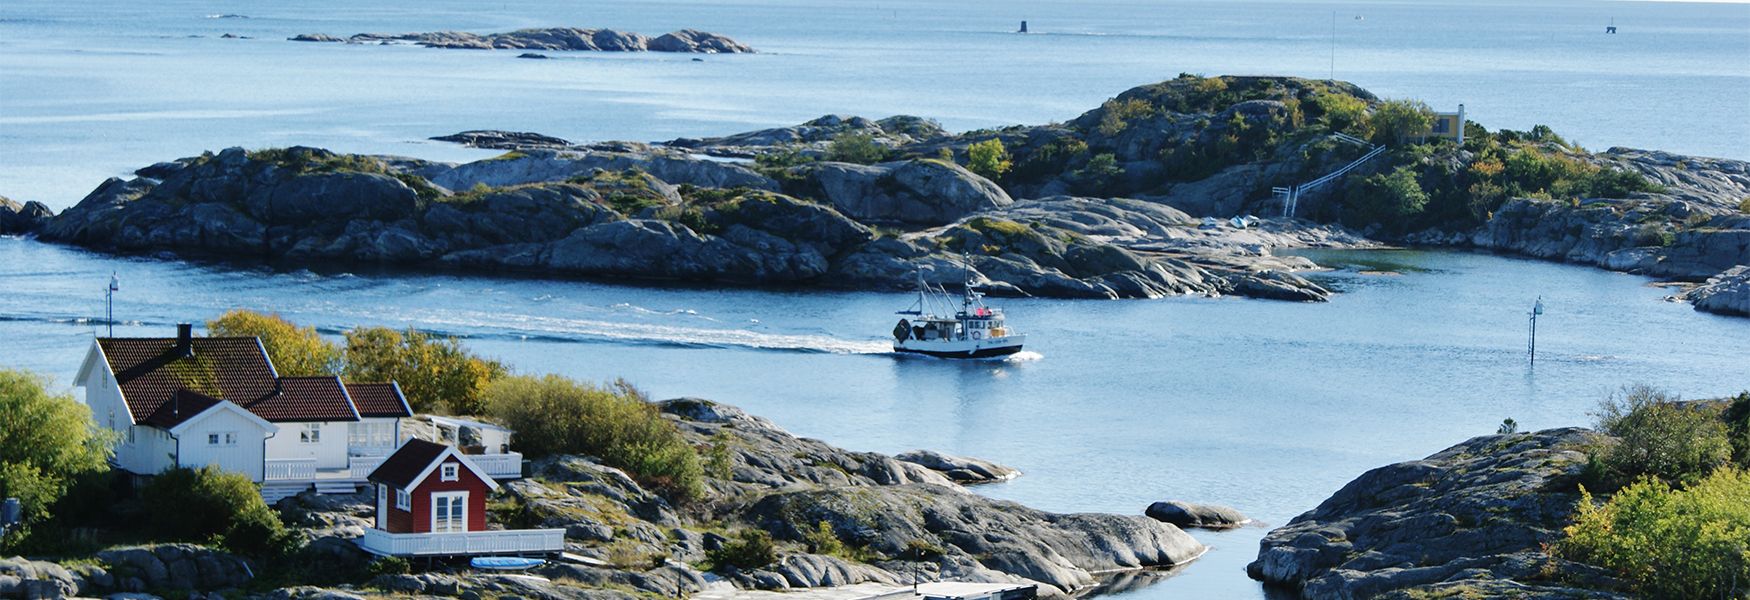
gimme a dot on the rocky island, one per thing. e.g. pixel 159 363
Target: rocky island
pixel 1141 197
pixel 552 38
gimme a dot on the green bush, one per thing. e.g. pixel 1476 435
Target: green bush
pixel 387 565
pixel 1100 175
pixel 615 423
pixel 987 158
pixel 207 505
pixel 857 148
pixel 1744 205
pixel 1652 434
pixel 1737 418
pixel 1342 112
pixel 1693 543
pixel 752 550
pixel 1398 120
pixel 822 540
pixel 1388 199
pixel 47 444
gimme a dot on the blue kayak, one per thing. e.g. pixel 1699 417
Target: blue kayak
pixel 504 563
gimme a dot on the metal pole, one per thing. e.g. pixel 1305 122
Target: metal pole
pixel 1534 339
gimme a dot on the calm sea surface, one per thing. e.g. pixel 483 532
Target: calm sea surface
pixel 97 88
pixel 1264 406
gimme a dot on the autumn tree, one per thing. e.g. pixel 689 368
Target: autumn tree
pixel 295 351
pixel 46 441
pixel 434 372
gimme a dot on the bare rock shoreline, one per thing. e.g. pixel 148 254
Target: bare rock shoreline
pixel 906 517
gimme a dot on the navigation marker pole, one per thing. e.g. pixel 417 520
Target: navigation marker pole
pixel 115 283
pixel 1536 309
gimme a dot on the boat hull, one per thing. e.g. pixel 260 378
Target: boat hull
pixel 958 350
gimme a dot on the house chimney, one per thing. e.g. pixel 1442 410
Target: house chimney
pixel 184 339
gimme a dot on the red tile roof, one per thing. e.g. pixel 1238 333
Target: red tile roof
pixel 182 405
pixel 378 400
pixel 149 371
pixel 402 467
pixel 315 398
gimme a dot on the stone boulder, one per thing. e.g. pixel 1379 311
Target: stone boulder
pixel 22 218
pixel 38 580
pixel 538 166
pixel 314 37
pixel 923 191
pixel 693 40
pixel 815 134
pixel 814 570
pixel 1205 516
pixel 961 469
pixel 180 566
pixel 1060 550
pixel 1478 511
pixel 505 140
pixel 1727 293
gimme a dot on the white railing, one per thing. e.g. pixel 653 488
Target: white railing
pixel 281 469
pixel 361 466
pixel 1291 196
pixel 500 466
pixel 510 541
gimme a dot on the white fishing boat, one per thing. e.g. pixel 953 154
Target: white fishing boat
pixel 937 327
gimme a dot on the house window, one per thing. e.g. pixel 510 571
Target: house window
pixel 449 470
pixel 222 438
pixel 1440 125
pixel 370 434
pixel 312 433
pixel 131 434
pixel 449 512
pixel 403 500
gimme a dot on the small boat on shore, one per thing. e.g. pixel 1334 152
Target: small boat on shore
pixel 505 563
pixel 937 328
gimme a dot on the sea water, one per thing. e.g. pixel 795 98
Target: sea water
pixel 1268 407
pixel 91 89
pixel 1264 406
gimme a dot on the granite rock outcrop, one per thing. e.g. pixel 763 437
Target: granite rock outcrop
pixel 1473 516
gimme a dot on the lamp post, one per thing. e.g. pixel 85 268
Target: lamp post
pixel 115 284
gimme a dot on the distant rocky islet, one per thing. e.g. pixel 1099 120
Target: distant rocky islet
pixel 1060 225
pixel 552 39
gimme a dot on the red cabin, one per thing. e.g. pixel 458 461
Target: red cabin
pixel 430 488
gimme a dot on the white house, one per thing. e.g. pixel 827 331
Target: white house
pixel 197 401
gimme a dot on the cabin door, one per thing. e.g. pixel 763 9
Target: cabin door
pixel 449 512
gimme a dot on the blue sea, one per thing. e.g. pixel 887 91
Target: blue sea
pixel 1264 406
pixel 91 89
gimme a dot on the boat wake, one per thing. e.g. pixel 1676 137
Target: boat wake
pixel 530 327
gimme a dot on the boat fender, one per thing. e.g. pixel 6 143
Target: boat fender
pixel 902 330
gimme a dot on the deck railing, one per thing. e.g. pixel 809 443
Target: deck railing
pixel 510 541
pixel 361 466
pixel 500 466
pixel 281 469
